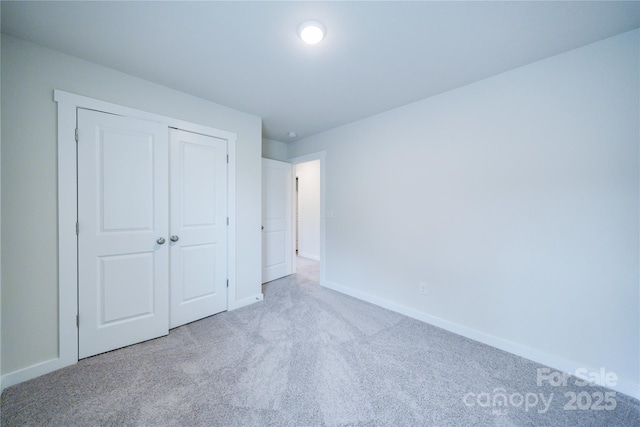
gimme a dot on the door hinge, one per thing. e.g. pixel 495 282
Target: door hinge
pixel 227 220
pixel 227 158
pixel 77 320
pixel 76 134
pixel 227 283
pixel 77 228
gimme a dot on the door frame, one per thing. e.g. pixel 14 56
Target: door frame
pixel 324 214
pixel 67 105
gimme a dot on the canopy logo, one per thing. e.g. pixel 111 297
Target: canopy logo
pixel 500 402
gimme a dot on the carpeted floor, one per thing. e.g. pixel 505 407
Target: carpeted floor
pixel 308 356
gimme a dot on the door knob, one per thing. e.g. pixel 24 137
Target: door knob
pixel 174 238
pixel 160 240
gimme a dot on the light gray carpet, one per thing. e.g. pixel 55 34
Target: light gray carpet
pixel 306 356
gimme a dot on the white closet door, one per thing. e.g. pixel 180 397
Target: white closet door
pixel 123 223
pixel 276 220
pixel 198 226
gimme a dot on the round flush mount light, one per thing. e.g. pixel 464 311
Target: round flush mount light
pixel 311 32
pixel 292 134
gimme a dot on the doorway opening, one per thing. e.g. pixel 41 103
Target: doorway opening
pixel 309 219
pixel 307 210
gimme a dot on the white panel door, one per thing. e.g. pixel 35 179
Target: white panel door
pixel 276 220
pixel 123 221
pixel 198 226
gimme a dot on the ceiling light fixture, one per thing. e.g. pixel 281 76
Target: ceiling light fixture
pixel 311 32
pixel 292 134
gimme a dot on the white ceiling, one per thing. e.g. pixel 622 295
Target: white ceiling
pixel 376 55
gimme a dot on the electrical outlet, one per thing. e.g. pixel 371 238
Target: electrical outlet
pixel 422 288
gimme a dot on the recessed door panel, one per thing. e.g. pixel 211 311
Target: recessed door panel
pixel 130 275
pixel 126 174
pixel 277 178
pixel 275 246
pixel 198 170
pixel 199 272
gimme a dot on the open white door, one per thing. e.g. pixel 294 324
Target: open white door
pixel 123 258
pixel 276 220
pixel 198 226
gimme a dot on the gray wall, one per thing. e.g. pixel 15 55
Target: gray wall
pixel 514 198
pixel 274 150
pixel 29 177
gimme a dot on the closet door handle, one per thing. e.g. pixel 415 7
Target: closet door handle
pixel 174 238
pixel 160 241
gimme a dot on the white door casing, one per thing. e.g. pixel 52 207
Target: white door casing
pixel 67 108
pixel 198 286
pixel 276 219
pixel 123 217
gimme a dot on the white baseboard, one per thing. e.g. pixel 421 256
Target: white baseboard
pixel 247 301
pixel 624 386
pixel 310 256
pixel 33 371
